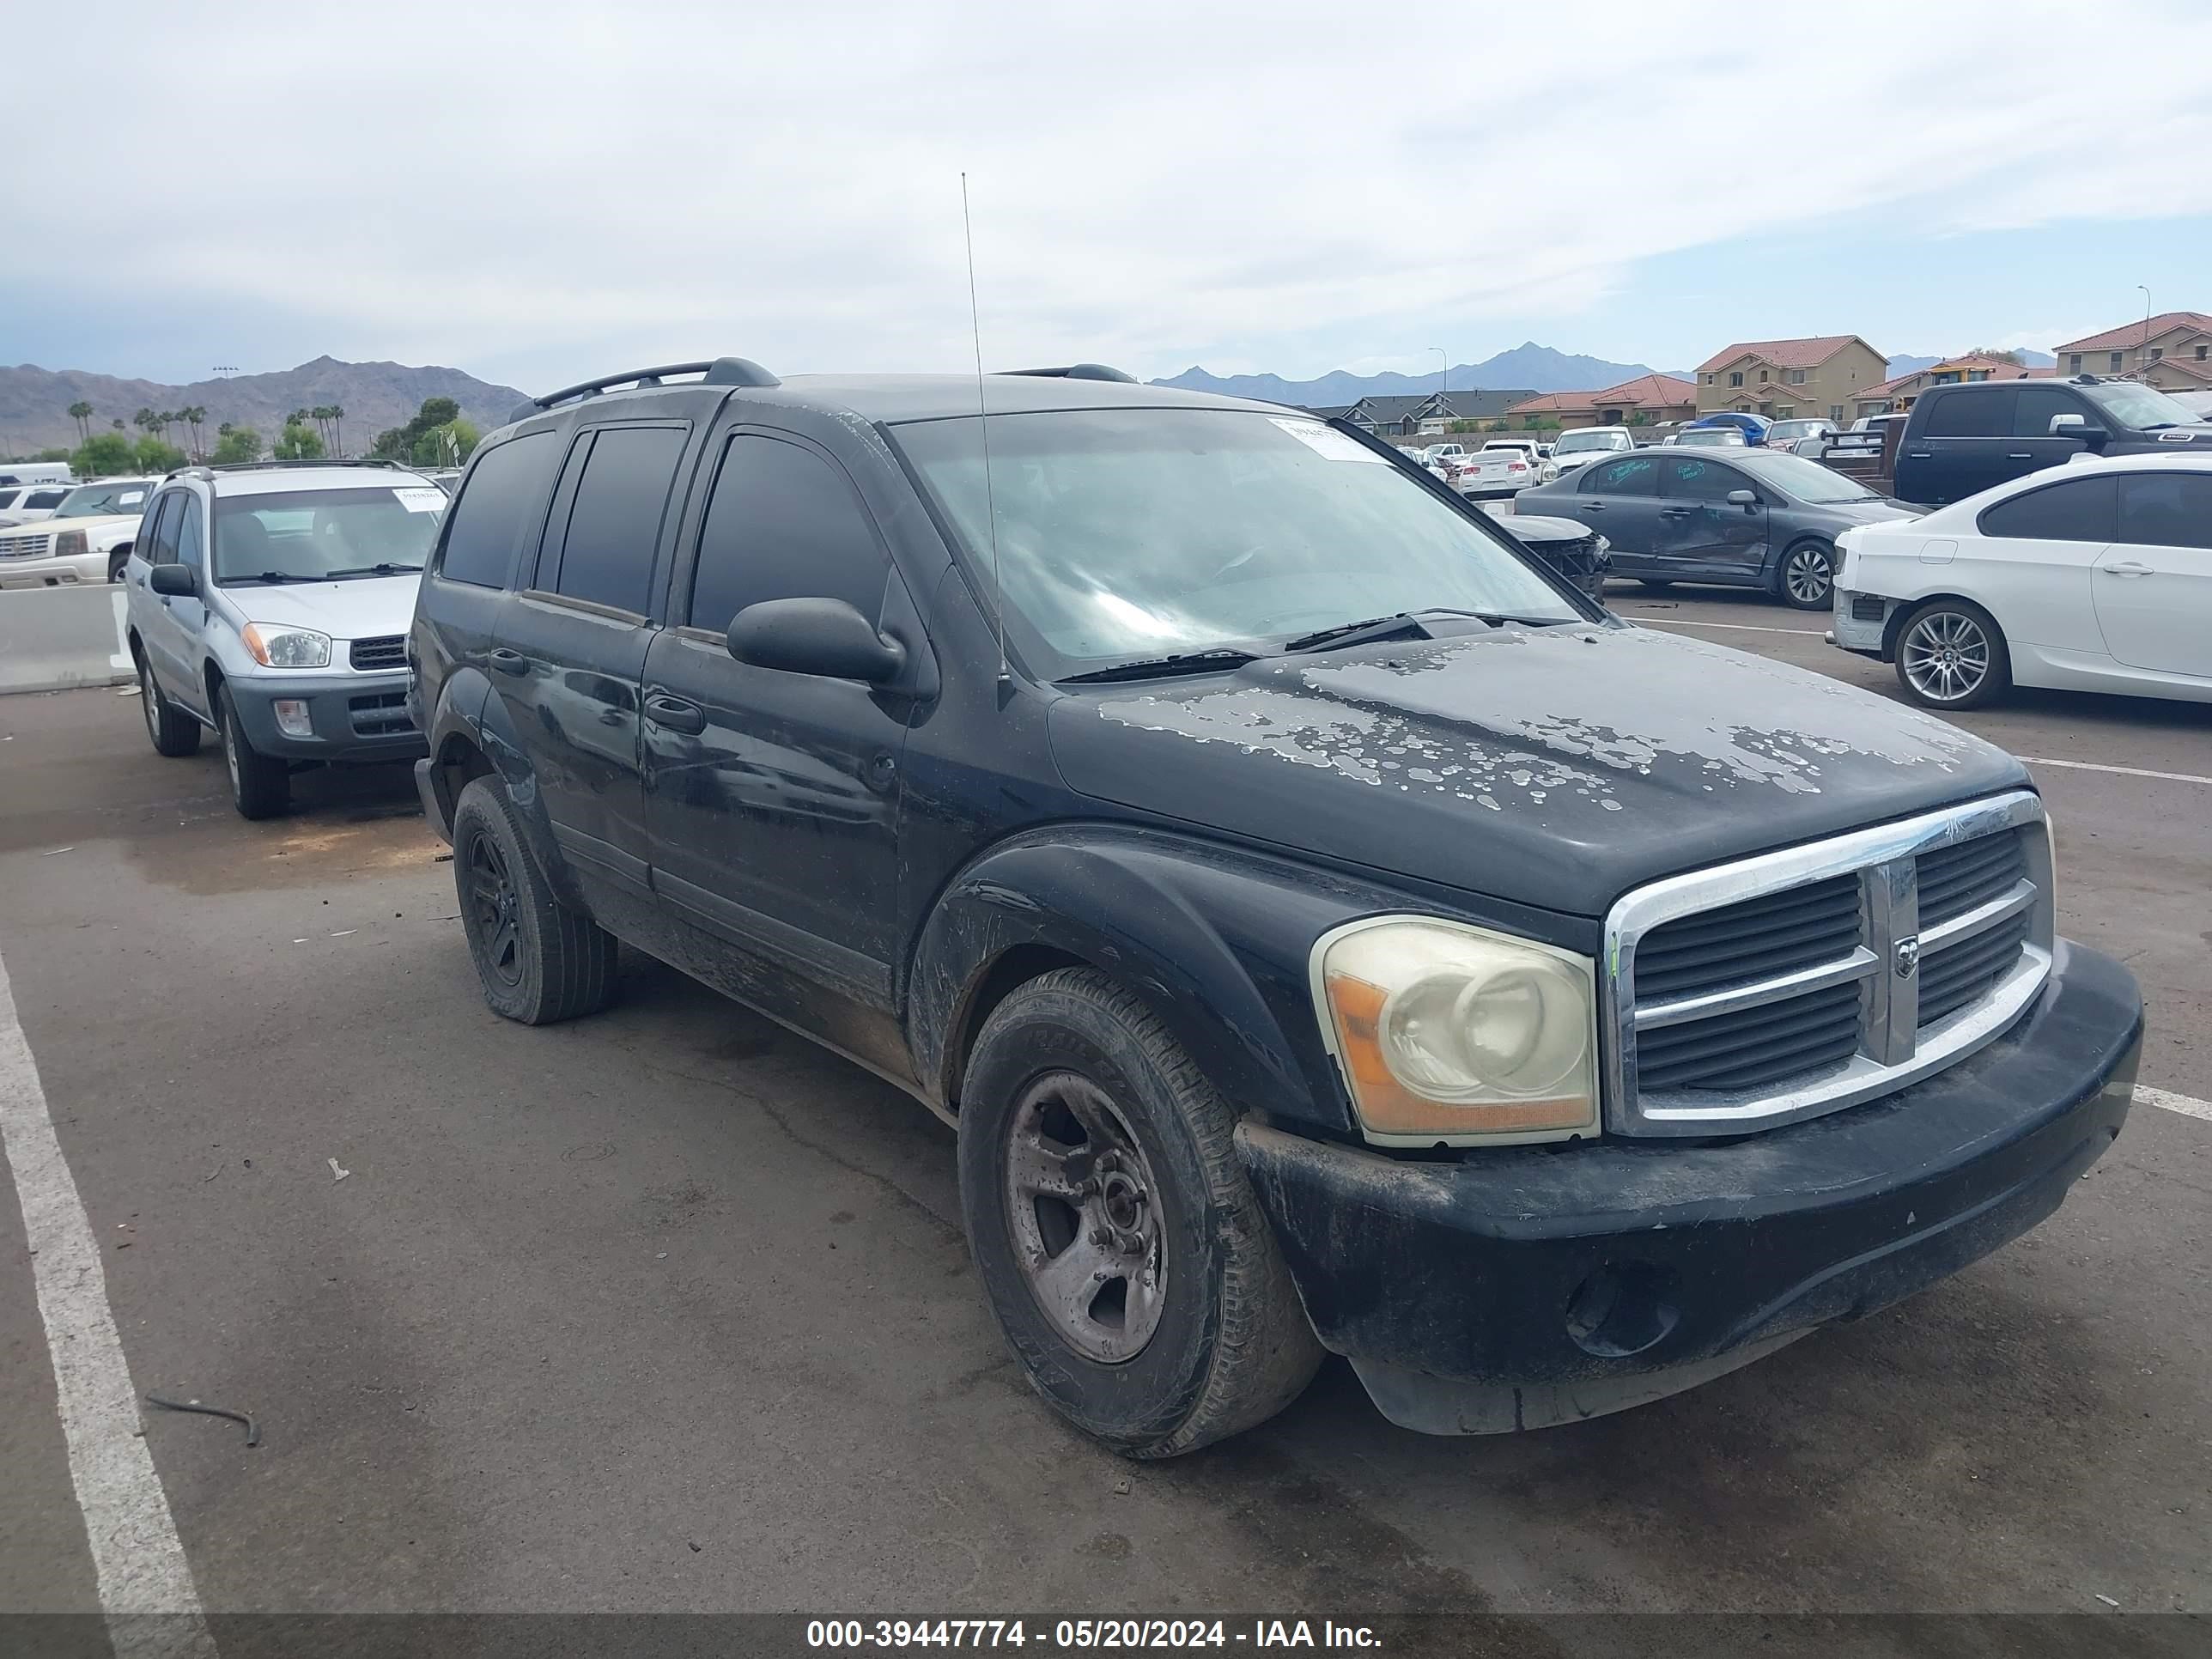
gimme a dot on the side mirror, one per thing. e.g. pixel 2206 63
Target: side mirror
pixel 1746 499
pixel 2077 426
pixel 177 580
pixel 823 637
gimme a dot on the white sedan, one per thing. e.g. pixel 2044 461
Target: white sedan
pixel 2095 576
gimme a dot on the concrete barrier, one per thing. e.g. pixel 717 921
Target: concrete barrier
pixel 53 638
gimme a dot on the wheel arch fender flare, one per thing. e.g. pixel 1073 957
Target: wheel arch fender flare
pixel 469 710
pixel 1215 941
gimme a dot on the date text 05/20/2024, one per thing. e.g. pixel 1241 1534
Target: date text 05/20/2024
pixel 1072 1634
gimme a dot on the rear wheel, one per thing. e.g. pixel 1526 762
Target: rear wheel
pixel 174 733
pixel 260 784
pixel 1113 1227
pixel 1952 654
pixel 1805 579
pixel 117 562
pixel 539 960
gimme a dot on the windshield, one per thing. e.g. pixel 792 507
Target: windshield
pixel 2130 403
pixel 116 496
pixel 1575 441
pixel 1784 431
pixel 1133 534
pixel 1712 435
pixel 326 535
pixel 1808 481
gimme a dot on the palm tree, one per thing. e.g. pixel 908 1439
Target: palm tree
pixel 117 423
pixel 337 430
pixel 81 412
pixel 144 420
pixel 192 416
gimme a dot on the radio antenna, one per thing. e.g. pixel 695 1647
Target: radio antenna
pixel 984 426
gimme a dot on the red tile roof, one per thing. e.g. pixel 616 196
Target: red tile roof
pixel 2195 370
pixel 1661 389
pixel 2131 334
pixel 2001 368
pixel 1655 389
pixel 1782 353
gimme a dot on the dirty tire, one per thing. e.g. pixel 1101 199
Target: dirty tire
pixel 1232 1345
pixel 539 960
pixel 173 733
pixel 117 562
pixel 260 784
pixel 1805 575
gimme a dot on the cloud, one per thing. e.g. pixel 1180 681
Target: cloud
pixel 539 190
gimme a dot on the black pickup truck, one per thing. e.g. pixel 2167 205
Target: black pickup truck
pixel 1964 438
pixel 1322 925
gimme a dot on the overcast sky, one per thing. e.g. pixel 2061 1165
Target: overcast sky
pixel 537 194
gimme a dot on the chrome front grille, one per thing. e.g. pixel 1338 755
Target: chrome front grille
pixel 1798 982
pixel 33 545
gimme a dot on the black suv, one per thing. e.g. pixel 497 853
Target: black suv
pixel 1323 926
pixel 1964 438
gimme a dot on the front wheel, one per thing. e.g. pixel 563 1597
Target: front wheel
pixel 260 784
pixel 118 562
pixel 1116 1234
pixel 174 733
pixel 1952 654
pixel 1807 578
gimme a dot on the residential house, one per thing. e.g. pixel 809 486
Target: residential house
pixel 2172 351
pixel 1896 395
pixel 1639 402
pixel 1410 414
pixel 1785 380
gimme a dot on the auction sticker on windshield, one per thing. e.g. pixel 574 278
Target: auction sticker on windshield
pixel 426 499
pixel 1327 442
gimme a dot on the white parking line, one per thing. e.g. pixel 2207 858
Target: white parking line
pixel 137 1558
pixel 2123 771
pixel 2147 1096
pixel 1737 628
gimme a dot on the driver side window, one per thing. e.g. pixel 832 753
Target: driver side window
pixel 1689 479
pixel 161 546
pixel 192 544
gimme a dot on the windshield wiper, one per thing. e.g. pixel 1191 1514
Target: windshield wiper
pixel 1399 626
pixel 372 570
pixel 1156 668
pixel 1408 624
pixel 269 576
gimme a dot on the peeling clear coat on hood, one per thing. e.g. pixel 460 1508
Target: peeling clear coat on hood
pixel 1555 767
pixel 359 607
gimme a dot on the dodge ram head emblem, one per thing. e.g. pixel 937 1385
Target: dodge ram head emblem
pixel 1908 957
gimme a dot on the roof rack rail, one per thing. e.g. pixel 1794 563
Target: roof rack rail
pixel 1077 372
pixel 722 371
pixel 209 469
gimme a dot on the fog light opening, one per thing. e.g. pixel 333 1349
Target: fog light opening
pixel 1621 1310
pixel 292 719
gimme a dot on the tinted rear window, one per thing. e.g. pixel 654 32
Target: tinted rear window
pixel 1969 414
pixel 614 525
pixel 2080 510
pixel 500 511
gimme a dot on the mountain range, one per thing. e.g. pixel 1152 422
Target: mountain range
pixel 1538 367
pixel 34 402
pixel 1913 364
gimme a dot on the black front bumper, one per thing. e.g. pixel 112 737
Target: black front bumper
pixel 1519 1288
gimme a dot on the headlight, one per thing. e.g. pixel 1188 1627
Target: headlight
pixel 1550 472
pixel 1454 1034
pixel 68 543
pixel 287 647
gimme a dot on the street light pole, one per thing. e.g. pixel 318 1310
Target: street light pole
pixel 2142 352
pixel 1443 378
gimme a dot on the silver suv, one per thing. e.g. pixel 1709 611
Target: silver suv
pixel 269 604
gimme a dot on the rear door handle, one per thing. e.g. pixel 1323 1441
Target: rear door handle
pixel 1590 506
pixel 2023 456
pixel 510 662
pixel 1920 454
pixel 2131 568
pixel 1676 512
pixel 675 715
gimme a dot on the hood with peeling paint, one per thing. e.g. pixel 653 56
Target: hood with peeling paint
pixel 1556 767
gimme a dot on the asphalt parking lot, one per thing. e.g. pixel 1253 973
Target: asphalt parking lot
pixel 666 1311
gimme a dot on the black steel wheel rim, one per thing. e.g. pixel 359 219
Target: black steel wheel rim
pixel 1085 1216
pixel 493 907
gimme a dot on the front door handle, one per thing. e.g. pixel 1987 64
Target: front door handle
pixel 510 662
pixel 1590 506
pixel 2131 568
pixel 675 715
pixel 2023 456
pixel 1676 512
